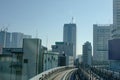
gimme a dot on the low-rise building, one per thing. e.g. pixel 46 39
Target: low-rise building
pixel 50 60
pixel 11 64
pixel 25 63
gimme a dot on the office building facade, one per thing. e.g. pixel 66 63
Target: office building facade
pixel 11 64
pixel 25 63
pixel 32 58
pixel 11 40
pixel 87 54
pixel 5 39
pixel 17 39
pixel 101 35
pixel 69 35
pixel 50 60
pixel 115 62
pixel 65 50
pixel 116 19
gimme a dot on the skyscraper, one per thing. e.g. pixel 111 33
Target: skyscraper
pixel 87 53
pixel 101 35
pixel 65 50
pixel 17 39
pixel 11 40
pixel 116 19
pixel 69 35
pixel 115 63
pixel 5 39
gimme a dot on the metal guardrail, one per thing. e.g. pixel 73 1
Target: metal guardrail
pixel 44 75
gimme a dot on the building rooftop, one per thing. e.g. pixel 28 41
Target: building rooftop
pixel 12 50
pixel 52 53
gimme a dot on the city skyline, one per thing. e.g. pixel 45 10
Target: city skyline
pixel 45 19
pixel 66 40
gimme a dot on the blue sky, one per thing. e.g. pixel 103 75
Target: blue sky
pixel 47 17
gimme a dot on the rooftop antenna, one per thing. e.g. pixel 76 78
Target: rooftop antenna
pixel 4 28
pixel 72 20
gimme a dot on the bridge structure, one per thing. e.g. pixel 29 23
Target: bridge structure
pixel 83 72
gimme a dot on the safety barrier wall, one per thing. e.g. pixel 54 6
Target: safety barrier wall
pixel 44 75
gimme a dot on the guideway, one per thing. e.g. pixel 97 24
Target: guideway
pixel 64 75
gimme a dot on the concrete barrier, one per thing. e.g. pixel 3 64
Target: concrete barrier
pixel 46 74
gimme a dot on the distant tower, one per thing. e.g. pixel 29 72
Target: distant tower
pixel 17 39
pixel 87 53
pixel 4 37
pixel 72 21
pixel 69 35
